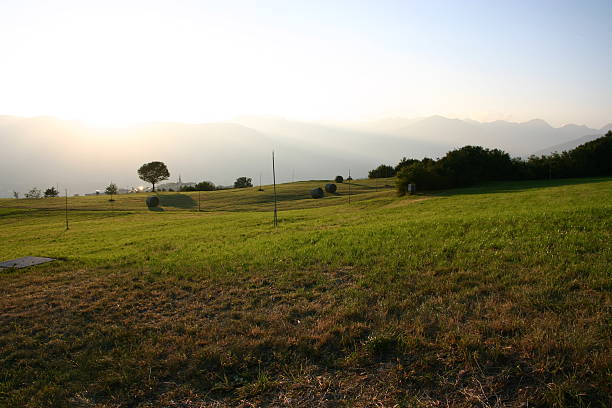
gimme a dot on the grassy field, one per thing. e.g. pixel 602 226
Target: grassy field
pixel 291 195
pixel 491 296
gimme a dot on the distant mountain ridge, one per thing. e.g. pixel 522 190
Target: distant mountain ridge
pixel 45 151
pixel 519 139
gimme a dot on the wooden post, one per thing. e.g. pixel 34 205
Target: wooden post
pixel 349 183
pixel 67 209
pixel 274 181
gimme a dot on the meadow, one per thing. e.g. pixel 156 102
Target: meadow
pixel 498 295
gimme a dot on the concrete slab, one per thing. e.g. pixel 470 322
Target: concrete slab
pixel 24 262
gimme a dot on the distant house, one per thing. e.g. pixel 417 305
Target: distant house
pixel 175 186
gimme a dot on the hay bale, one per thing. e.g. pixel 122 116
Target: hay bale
pixel 317 192
pixel 152 201
pixel 330 188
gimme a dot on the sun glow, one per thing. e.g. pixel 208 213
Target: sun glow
pixel 207 64
pixel 116 62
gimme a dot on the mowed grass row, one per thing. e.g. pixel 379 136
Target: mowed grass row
pixel 484 296
pixel 289 195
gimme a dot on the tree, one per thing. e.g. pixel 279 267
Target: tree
pixel 33 193
pixel 205 186
pixel 404 163
pixel 382 171
pixel 242 182
pixel 51 192
pixel 472 165
pixel 153 172
pixel 425 174
pixel 111 189
pixel 201 186
pixel 16 195
pixel 339 179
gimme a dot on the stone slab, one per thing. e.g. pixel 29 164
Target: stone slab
pixel 24 262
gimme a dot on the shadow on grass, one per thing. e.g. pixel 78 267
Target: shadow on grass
pixel 156 209
pixel 177 201
pixel 516 186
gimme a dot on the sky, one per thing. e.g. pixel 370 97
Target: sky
pixel 116 62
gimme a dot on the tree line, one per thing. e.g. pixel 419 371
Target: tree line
pixel 471 165
pixel 153 172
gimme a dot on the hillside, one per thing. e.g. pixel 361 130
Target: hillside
pixel 488 296
pixel 564 147
pixel 46 152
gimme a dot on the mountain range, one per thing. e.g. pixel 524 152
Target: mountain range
pixel 45 151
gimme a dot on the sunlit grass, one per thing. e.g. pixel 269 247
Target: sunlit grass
pixel 496 293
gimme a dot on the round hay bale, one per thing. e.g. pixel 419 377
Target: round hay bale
pixel 330 188
pixel 152 201
pixel 317 192
pixel 339 179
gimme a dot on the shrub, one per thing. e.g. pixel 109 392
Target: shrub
pixel 51 192
pixel 33 193
pixel 474 164
pixel 111 189
pixel 404 163
pixel 382 171
pixel 425 175
pixel 201 186
pixel 242 182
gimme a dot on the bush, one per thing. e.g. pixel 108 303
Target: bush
pixel 33 193
pixel 111 189
pixel 404 163
pixel 474 164
pixel 201 186
pixel 243 182
pixel 426 176
pixel 51 192
pixel 382 171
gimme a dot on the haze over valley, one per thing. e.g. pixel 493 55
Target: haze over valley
pixel 45 151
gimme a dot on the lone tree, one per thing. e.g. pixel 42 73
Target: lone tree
pixel 51 192
pixel 153 172
pixel 242 182
pixel 111 190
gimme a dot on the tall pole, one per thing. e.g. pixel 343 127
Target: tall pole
pixel 349 183
pixel 67 209
pixel 293 176
pixel 274 181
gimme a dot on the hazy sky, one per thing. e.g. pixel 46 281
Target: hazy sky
pixel 196 61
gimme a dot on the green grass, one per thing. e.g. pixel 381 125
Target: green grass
pixel 489 296
pixel 290 196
